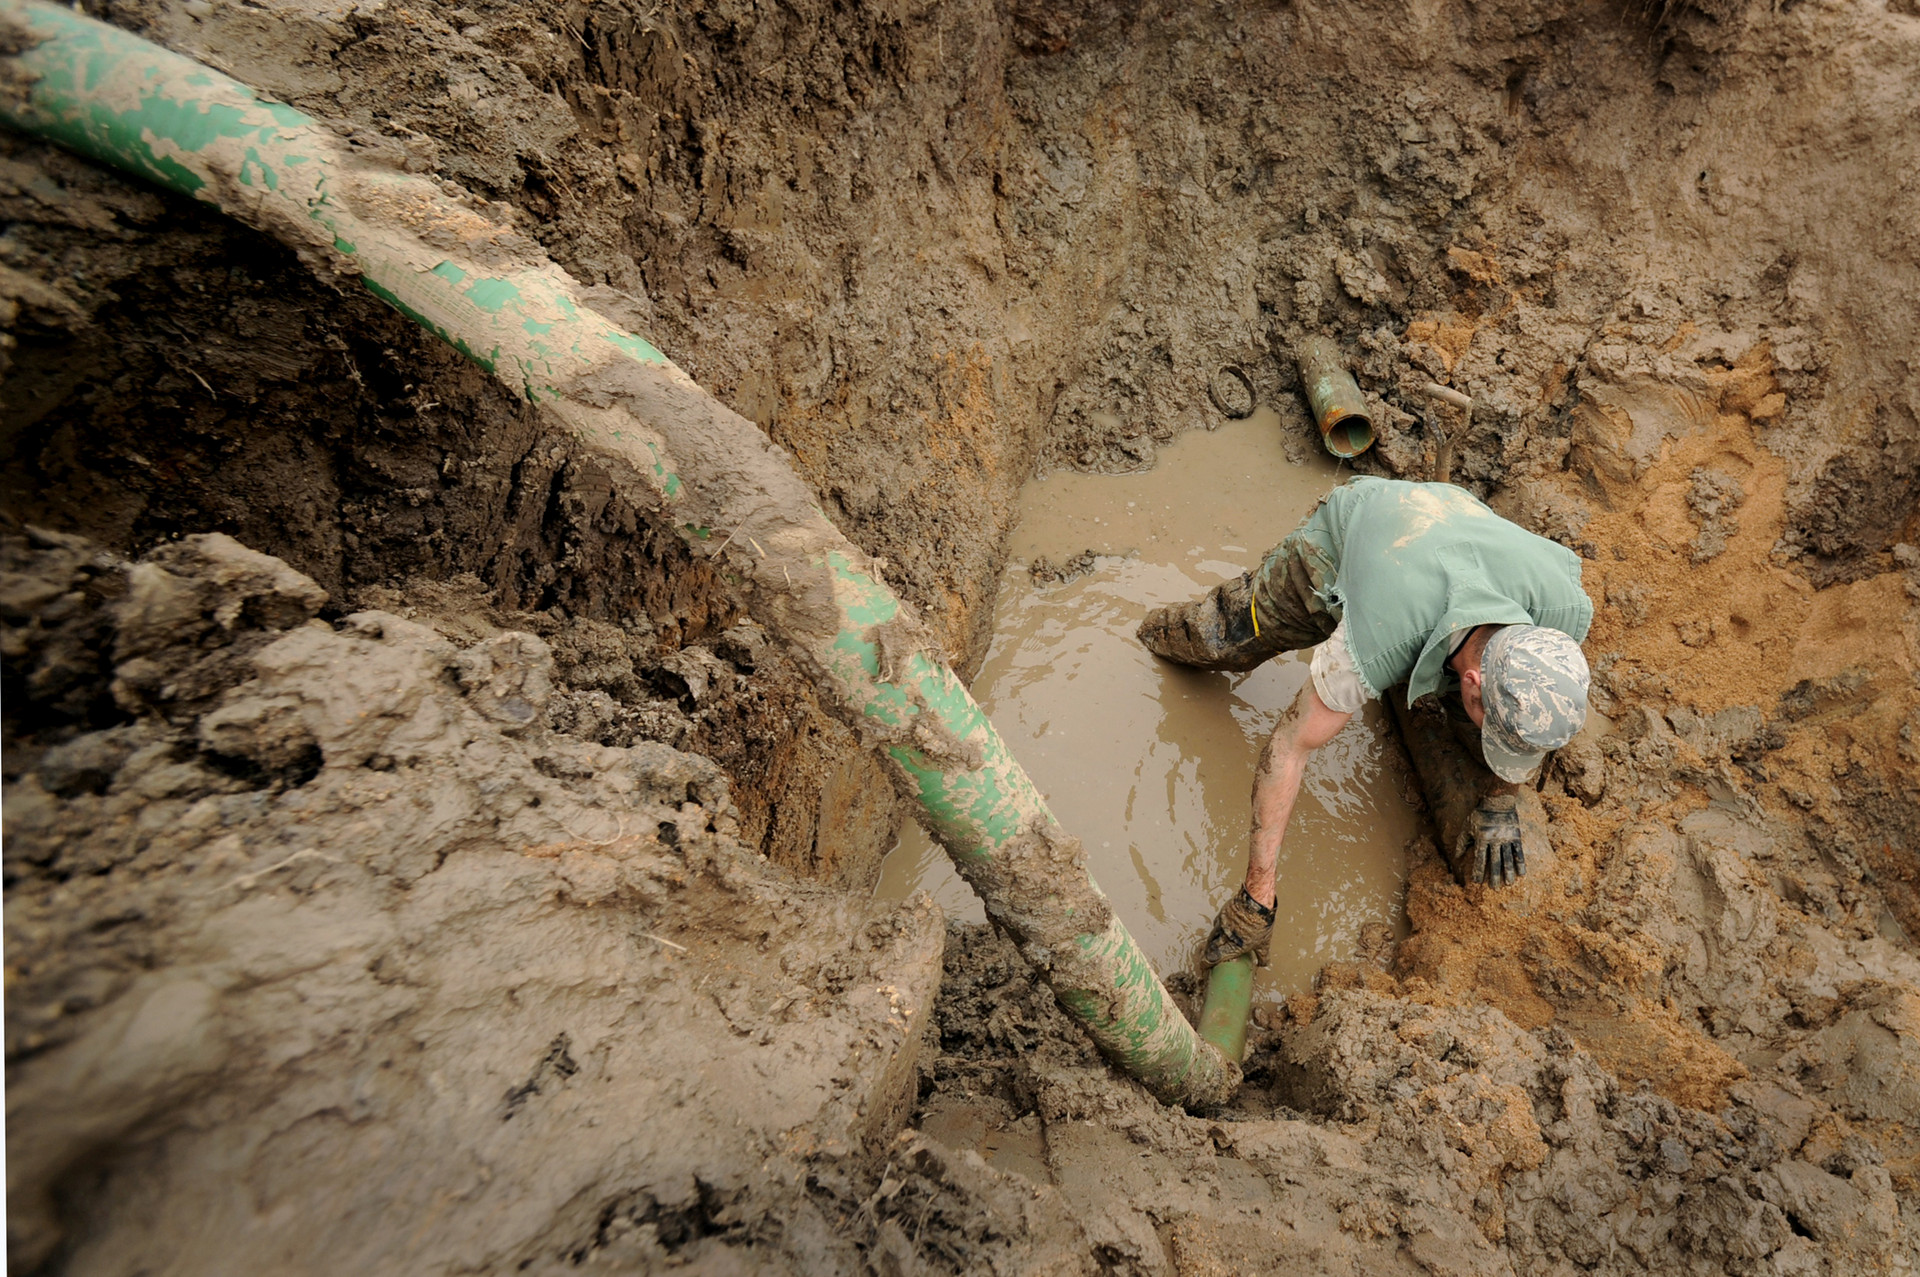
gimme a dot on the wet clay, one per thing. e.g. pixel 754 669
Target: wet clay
pixel 1150 763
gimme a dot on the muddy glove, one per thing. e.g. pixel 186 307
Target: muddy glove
pixel 1493 841
pixel 1243 925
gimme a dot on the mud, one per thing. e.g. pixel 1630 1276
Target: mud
pixel 366 835
pixel 301 980
pixel 1394 1135
pixel 1151 764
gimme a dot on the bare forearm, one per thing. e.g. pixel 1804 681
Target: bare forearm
pixel 1307 725
pixel 1275 787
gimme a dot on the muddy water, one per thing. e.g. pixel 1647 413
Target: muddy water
pixel 1151 764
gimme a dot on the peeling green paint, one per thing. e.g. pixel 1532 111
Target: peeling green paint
pixel 638 347
pixel 268 177
pixel 493 294
pixel 77 56
pixel 955 831
pixel 871 603
pixel 388 296
pixel 669 483
pixel 948 699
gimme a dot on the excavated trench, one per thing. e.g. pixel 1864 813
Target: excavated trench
pixel 415 860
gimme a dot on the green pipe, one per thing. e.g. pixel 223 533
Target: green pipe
pixel 1223 1018
pixel 492 294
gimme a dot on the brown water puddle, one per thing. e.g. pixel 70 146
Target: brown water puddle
pixel 1151 764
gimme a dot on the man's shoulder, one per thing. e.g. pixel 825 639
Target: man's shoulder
pixel 1413 508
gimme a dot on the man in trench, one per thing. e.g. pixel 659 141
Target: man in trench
pixel 1391 582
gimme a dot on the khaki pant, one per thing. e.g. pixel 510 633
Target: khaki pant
pixel 1217 630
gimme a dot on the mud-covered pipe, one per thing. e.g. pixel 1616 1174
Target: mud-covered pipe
pixel 1338 408
pixel 1223 1017
pixel 468 277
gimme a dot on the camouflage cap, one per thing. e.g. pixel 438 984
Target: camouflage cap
pixel 1535 688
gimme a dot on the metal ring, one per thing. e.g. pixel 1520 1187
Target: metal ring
pixel 1222 396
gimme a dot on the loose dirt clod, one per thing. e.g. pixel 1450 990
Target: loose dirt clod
pixel 414 862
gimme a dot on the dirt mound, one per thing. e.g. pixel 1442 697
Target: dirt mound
pixel 314 923
pixel 1387 1133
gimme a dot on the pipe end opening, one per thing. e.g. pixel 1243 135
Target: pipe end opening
pixel 1349 436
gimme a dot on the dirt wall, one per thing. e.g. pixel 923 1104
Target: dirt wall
pixel 327 430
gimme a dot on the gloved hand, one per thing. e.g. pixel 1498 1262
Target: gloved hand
pixel 1243 925
pixel 1493 841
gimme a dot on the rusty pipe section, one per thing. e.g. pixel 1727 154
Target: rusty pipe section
pixel 1339 410
pixel 435 255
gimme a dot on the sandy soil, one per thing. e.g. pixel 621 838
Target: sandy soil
pixel 414 863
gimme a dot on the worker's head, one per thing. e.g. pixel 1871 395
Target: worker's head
pixel 1526 687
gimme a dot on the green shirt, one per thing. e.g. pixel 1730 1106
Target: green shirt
pixel 1410 565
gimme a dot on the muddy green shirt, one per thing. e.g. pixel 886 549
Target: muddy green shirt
pixel 1410 565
